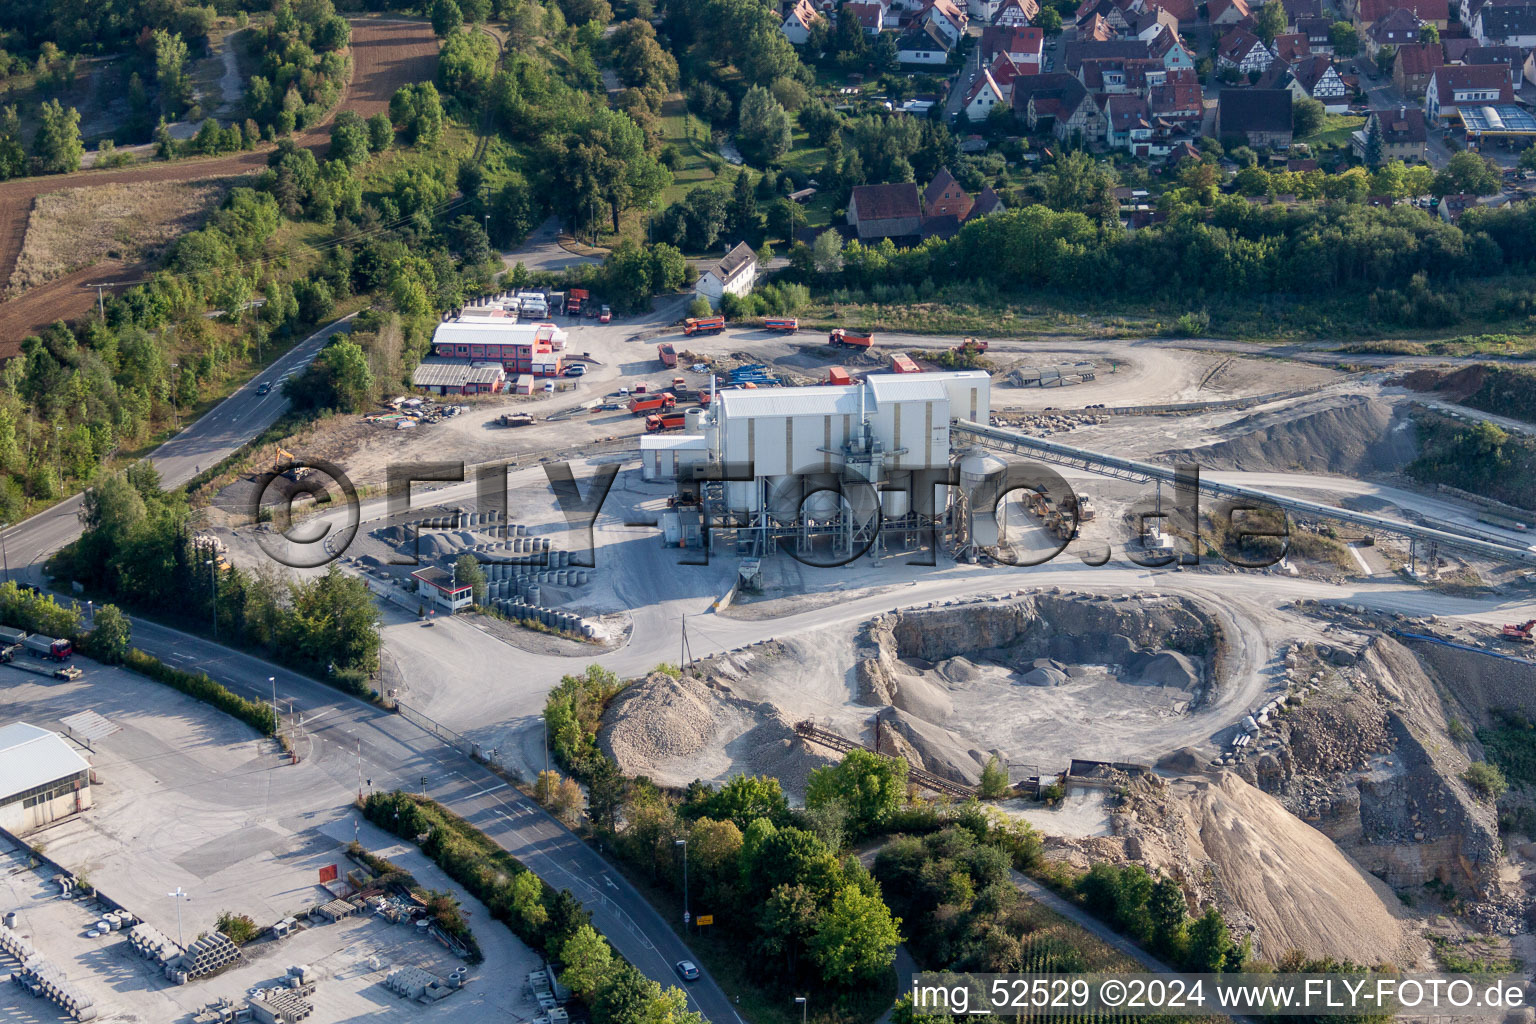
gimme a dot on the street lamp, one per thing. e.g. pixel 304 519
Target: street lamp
pixel 178 896
pixel 277 723
pixel 684 844
pixel 803 1004
pixel 213 583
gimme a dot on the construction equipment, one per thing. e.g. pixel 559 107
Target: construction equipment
pixel 652 403
pixel 787 324
pixel 1520 634
pixel 704 325
pixel 516 419
pixel 285 457
pixel 841 337
pixel 574 299
pixel 1035 502
pixel 667 354
pixel 665 421
pixel 1081 504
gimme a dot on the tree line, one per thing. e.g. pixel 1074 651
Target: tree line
pixel 140 549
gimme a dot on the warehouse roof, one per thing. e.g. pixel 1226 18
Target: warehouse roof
pixel 434 373
pixel 822 400
pixel 905 387
pixel 494 332
pixel 31 757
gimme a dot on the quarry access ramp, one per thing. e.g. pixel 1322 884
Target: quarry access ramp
pixel 813 733
pixel 1015 441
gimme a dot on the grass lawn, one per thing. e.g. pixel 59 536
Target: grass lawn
pixel 1335 131
pixel 691 137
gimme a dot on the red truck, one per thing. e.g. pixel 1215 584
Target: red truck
pixel 574 299
pixel 787 324
pixel 900 363
pixel 841 337
pixel 667 354
pixel 704 325
pixel 652 403
pixel 838 375
pixel 665 421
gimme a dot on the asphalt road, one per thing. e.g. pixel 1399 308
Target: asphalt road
pixel 206 442
pixel 368 748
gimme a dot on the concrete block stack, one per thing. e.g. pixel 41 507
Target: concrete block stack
pixel 282 1005
pixel 415 983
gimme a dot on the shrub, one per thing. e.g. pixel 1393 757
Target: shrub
pixel 1486 780
pixel 238 927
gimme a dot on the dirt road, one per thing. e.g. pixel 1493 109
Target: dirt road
pixel 386 54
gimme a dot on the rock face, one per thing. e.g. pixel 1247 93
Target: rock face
pixel 1372 764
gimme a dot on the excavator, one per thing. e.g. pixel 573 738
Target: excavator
pixel 1520 634
pixel 282 455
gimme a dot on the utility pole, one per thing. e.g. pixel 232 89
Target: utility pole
pixel 277 716
pixel 359 768
pixel 178 896
pixel 684 844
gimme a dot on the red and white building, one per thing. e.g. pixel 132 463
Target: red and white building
pixel 519 348
pixel 440 587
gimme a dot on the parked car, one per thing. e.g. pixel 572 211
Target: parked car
pixel 576 369
pixel 687 970
pixel 549 387
pixel 604 315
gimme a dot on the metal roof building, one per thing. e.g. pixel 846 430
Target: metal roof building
pixel 42 778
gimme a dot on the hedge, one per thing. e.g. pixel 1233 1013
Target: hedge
pixel 257 715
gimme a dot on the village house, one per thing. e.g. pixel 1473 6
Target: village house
pixel 1506 24
pixel 1061 101
pixel 1457 85
pixel 1244 52
pixel 798 22
pixel 735 274
pixel 1512 58
pixel 1317 78
pixel 1412 67
pixel 1228 13
pixel 1016 14
pixel 1435 12
pixel 983 97
pixel 1178 100
pixel 1399 28
pixel 901 212
pixel 1256 117
pixel 944 15
pixel 1024 46
pixel 923 44
pixel 1291 47
pixel 1404 134
pixel 1319 33
pixel 870 14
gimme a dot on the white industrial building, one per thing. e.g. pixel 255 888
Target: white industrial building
pixel 829 467
pixel 42 778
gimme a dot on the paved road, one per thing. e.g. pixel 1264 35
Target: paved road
pixel 345 735
pixel 212 438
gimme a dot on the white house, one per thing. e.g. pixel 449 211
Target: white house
pixel 797 23
pixel 947 17
pixel 923 45
pixel 985 96
pixel 736 274
pixel 441 588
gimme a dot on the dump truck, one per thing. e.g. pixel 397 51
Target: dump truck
pixel 665 421
pixel 574 299
pixel 787 324
pixel 901 363
pixel 667 354
pixel 1081 504
pixel 516 419
pixel 704 325
pixel 838 375
pixel 10 637
pixel 971 345
pixel 652 403
pixel 40 646
pixel 841 337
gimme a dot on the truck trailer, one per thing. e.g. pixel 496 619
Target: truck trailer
pixel 787 324
pixel 9 636
pixel 667 354
pixel 704 325
pixel 841 337
pixel 652 403
pixel 40 646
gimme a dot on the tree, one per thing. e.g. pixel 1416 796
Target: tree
pixel 466 63
pixel 763 131
pixel 420 109
pixel 1307 117
pixel 447 18
pixel 381 133
pixel 745 798
pixel 1209 943
pixel 111 634
pixel 1468 173
pixel 1270 22
pixel 1169 916
pixel 994 779
pixel 700 307
pixel 856 937
pixel 349 139
pixel 1048 20
pixel 587 959
pixel 170 71
pixel 786 216
pixel 58 146
pixel 1373 143
pixel 467 569
pixel 1528 158
pixel 1429 33
pixel 743 204
pixel 871 785
pixel 1385 58
pixel 827 252
pixel 1344 38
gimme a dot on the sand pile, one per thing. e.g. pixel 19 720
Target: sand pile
pixel 1268 869
pixel 658 720
pixel 1351 435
